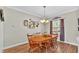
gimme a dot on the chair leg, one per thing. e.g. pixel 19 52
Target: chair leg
pixel 46 49
pixel 29 50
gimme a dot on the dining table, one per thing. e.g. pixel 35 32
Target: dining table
pixel 41 39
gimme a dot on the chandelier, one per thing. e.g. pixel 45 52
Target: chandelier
pixel 44 20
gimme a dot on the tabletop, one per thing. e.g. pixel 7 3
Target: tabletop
pixel 40 38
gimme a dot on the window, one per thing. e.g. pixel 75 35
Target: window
pixel 56 26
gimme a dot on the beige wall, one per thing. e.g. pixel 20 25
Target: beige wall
pixel 14 30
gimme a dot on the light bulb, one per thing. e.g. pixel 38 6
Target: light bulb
pixel 42 21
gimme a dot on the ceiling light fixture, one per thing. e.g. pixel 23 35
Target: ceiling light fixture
pixel 44 19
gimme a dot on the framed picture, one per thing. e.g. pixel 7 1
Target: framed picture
pixel 25 22
pixel 31 24
pixel 78 24
pixel 78 28
pixel 1 15
pixel 78 21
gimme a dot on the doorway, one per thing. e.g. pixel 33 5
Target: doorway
pixel 57 27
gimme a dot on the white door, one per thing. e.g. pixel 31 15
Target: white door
pixel 1 36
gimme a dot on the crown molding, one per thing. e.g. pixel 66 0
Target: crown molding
pixel 39 16
pixel 26 12
pixel 65 12
pixel 68 11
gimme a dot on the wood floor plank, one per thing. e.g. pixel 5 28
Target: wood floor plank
pixel 61 48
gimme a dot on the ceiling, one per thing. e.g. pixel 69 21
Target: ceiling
pixel 51 11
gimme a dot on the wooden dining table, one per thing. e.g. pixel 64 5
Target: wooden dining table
pixel 39 39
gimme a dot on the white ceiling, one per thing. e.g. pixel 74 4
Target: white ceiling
pixel 51 11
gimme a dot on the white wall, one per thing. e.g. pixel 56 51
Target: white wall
pixel 48 28
pixel 16 33
pixel 70 25
pixel 1 35
pixel 77 28
pixel 14 30
pixel 45 28
pixel 77 22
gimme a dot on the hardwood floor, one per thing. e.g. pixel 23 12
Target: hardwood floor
pixel 61 48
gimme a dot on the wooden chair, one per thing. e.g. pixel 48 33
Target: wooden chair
pixel 51 43
pixel 33 45
pixel 54 41
pixel 46 44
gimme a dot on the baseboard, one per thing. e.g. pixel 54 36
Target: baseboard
pixel 27 42
pixel 70 43
pixel 15 45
